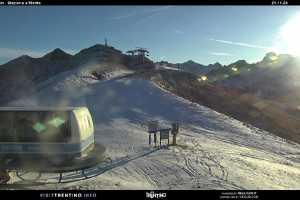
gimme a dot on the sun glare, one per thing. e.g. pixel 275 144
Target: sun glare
pixel 288 40
pixel 273 58
pixel 234 69
pixel 203 78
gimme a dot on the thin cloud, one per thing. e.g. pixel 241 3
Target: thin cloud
pixel 144 12
pixel 124 16
pixel 160 9
pixel 146 18
pixel 152 13
pixel 241 44
pixel 179 32
pixel 220 54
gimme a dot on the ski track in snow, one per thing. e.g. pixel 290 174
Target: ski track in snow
pixel 214 151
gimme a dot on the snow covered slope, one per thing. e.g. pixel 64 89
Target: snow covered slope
pixel 214 151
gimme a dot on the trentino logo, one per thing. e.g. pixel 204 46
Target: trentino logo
pixel 157 195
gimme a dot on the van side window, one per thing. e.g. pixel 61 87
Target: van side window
pixel 85 122
pixel 34 126
pixel 89 121
pixel 82 123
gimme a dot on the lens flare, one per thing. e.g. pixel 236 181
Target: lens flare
pixel 234 69
pixel 203 78
pixel 288 40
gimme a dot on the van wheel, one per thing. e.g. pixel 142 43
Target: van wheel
pixel 56 161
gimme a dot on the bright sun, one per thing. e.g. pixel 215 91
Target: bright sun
pixel 288 40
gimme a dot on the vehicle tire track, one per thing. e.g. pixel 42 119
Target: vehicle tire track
pixel 201 159
pixel 217 165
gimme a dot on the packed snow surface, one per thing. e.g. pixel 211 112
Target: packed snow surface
pixel 214 151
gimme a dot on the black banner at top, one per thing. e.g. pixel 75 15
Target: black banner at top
pixel 149 2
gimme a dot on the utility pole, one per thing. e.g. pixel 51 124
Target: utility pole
pixel 105 42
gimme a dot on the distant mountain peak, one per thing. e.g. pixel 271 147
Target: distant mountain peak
pixel 270 56
pixel 240 62
pixel 216 64
pixel 190 62
pixel 98 48
pixel 57 54
pixel 58 50
pixel 22 59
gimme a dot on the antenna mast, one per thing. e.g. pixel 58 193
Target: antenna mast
pixel 105 42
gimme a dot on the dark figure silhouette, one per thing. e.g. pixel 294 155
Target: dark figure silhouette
pixel 175 131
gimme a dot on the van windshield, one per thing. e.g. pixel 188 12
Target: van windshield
pixel 34 126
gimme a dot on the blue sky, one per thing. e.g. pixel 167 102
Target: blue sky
pixel 205 34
